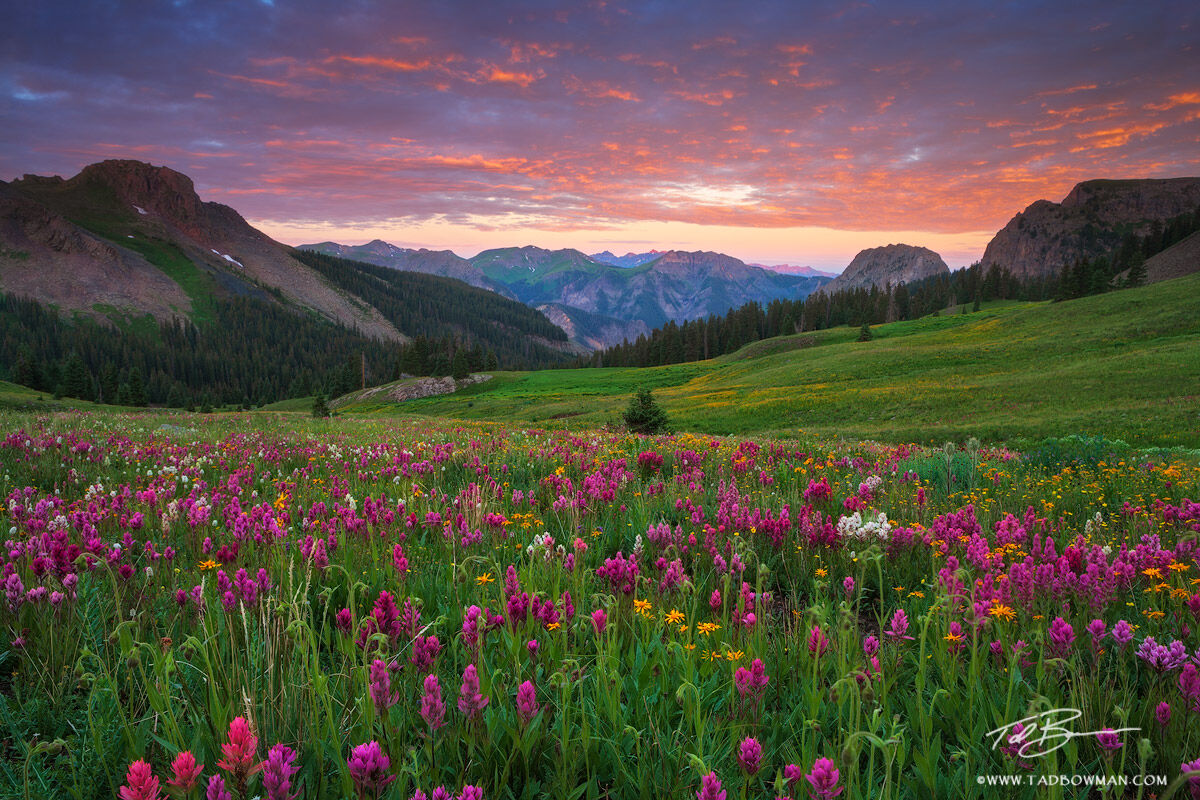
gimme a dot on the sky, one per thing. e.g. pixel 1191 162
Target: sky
pixel 777 132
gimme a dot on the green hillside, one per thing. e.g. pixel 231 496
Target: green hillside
pixel 1123 365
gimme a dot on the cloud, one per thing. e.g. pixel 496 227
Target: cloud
pixel 771 117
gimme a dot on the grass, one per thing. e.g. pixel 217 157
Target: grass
pixel 1123 365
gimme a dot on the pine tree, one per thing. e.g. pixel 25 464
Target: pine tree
pixel 492 362
pixel 459 369
pixel 26 371
pixel 320 409
pixel 1137 271
pixel 76 380
pixel 644 415
pixel 864 335
pixel 137 388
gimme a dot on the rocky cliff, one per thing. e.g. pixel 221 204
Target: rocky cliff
pixel 1089 222
pixel 893 264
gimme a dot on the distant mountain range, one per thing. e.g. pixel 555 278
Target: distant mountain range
pixel 598 303
pixel 131 247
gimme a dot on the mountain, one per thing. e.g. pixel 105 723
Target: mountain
pixel 621 301
pixel 593 331
pixel 1091 221
pixel 792 269
pixel 432 262
pixel 124 267
pixel 152 220
pixel 893 264
pixel 1181 258
pixel 627 260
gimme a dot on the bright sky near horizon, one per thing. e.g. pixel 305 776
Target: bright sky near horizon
pixel 777 132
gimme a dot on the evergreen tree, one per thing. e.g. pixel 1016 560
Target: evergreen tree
pixel 1137 271
pixel 320 409
pixel 176 397
pixel 644 415
pixel 459 368
pixel 76 380
pixel 137 388
pixel 109 383
pixel 27 372
pixel 864 335
pixel 492 362
pixel 978 303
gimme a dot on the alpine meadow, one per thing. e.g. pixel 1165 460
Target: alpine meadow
pixel 599 401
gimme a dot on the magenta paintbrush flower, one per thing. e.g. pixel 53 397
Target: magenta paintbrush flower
pixel 710 788
pixel 185 771
pixel 369 767
pixel 899 627
pixel 817 641
pixel 216 789
pixel 470 700
pixel 823 778
pixel 599 620
pixel 527 704
pixel 750 755
pixel 433 710
pixel 140 783
pixel 278 770
pixel 381 686
pixel 471 793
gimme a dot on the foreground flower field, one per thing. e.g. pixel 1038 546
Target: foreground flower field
pixel 248 607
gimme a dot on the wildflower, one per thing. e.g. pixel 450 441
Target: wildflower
pixel 1002 612
pixel 751 682
pixel 599 620
pixel 278 770
pixel 240 760
pixel 206 565
pixel 369 768
pixel 1193 781
pixel 470 700
pixel 433 710
pixel 817 642
pixel 848 587
pixel 1189 685
pixel 1098 631
pixel 750 755
pixel 1162 658
pixel 186 772
pixel 140 783
pixel 710 787
pixel 870 646
pixel 484 579
pixel 1062 636
pixel 641 606
pixel 1108 739
pixel 1162 713
pixel 425 651
pixel 1122 633
pixel 899 626
pixel 714 600
pixel 381 686
pixel 471 793
pixel 527 705
pixel 216 789
pixel 824 779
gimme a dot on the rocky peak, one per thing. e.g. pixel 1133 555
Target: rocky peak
pixel 892 264
pixel 1089 222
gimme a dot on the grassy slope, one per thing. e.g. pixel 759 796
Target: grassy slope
pixel 1124 365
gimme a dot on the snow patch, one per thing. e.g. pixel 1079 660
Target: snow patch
pixel 229 258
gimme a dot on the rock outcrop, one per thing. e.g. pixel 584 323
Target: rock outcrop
pixel 892 265
pixel 1089 222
